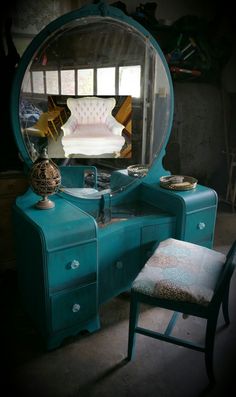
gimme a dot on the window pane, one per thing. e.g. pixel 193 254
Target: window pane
pixel 26 83
pixel 130 80
pixel 85 81
pixel 106 81
pixel 38 83
pixel 68 82
pixel 52 82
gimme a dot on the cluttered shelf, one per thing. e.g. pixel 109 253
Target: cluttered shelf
pixel 194 47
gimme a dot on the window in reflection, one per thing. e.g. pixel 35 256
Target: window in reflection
pixel 68 82
pixel 52 86
pixel 26 84
pixel 106 81
pixel 54 82
pixel 85 78
pixel 38 82
pixel 130 80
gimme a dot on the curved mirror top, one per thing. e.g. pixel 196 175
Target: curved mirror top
pixel 95 92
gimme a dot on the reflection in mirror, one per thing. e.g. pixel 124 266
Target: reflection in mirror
pixel 98 127
pixel 96 59
pixel 83 127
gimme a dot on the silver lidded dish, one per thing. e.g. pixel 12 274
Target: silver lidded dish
pixel 138 170
pixel 178 182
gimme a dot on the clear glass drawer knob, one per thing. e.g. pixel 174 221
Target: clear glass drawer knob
pixel 74 264
pixel 201 225
pixel 119 264
pixel 75 308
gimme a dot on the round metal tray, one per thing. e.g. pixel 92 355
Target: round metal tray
pixel 178 182
pixel 138 170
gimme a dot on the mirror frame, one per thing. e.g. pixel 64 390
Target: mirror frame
pixel 100 9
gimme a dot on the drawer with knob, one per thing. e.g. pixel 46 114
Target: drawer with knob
pixel 200 226
pixel 72 265
pixel 73 306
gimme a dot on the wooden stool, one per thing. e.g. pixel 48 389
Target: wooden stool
pixel 185 278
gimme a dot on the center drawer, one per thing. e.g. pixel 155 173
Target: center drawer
pixel 152 235
pixel 72 265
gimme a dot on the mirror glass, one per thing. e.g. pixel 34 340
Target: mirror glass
pixel 96 68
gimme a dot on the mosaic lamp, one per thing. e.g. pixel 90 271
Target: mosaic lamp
pixel 45 180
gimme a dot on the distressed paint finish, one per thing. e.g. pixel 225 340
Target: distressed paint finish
pixel 69 262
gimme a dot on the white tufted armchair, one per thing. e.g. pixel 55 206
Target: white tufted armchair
pixel 91 129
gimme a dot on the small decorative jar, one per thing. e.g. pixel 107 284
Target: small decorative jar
pixel 45 180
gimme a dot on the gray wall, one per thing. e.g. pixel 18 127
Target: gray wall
pixel 197 143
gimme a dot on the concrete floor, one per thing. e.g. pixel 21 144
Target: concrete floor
pixel 94 366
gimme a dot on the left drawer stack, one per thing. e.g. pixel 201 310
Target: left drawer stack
pixel 57 268
pixel 72 282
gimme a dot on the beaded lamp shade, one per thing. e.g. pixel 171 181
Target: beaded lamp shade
pixel 45 180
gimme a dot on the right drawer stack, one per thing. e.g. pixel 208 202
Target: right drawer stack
pixel 200 227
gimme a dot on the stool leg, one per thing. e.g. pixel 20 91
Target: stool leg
pixel 225 306
pixel 229 187
pixel 234 197
pixel 133 319
pixel 210 338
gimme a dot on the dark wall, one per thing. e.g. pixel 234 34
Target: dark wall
pixel 9 58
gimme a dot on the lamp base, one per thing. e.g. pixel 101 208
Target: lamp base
pixel 45 204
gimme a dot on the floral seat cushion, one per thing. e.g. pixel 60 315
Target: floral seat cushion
pixel 181 271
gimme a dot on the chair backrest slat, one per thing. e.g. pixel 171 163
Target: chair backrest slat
pixel 226 275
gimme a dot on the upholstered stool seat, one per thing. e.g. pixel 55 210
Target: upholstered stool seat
pixel 181 271
pixel 185 278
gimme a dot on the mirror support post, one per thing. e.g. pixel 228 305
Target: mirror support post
pixel 145 103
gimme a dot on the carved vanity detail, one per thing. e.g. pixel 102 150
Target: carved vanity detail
pixel 105 223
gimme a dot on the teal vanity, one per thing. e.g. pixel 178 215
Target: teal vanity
pixel 106 221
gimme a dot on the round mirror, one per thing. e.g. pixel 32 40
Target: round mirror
pixel 94 89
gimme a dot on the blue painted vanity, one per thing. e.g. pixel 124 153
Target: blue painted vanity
pixel 92 244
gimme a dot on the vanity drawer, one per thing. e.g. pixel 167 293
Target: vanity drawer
pixel 72 265
pixel 200 226
pixel 73 306
pixel 151 236
pixel 119 260
pixel 157 232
